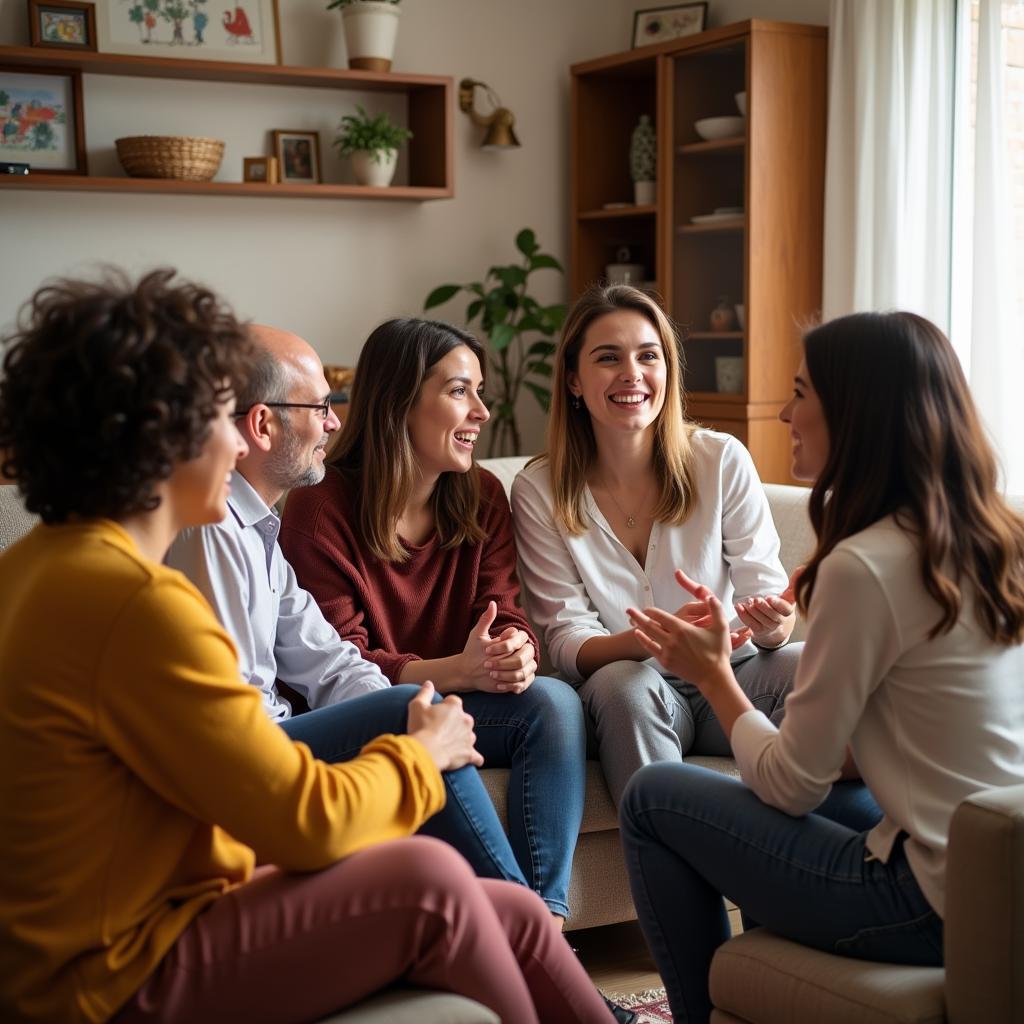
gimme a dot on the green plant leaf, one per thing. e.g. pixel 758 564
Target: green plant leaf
pixel 504 411
pixel 526 242
pixel 441 295
pixel 502 335
pixel 529 322
pixel 541 393
pixel 536 366
pixel 510 277
pixel 543 260
pixel 473 310
pixel 542 348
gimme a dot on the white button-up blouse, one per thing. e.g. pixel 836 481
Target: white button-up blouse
pixel 578 587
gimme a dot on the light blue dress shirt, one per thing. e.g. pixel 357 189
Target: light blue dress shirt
pixel 277 626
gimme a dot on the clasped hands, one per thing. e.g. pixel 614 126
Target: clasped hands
pixel 695 642
pixel 506 663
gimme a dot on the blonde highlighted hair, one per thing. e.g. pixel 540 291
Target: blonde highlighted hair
pixel 374 452
pixel 571 446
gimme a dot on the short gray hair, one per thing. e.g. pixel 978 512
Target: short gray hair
pixel 267 381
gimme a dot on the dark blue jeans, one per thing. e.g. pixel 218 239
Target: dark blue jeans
pixel 468 820
pixel 541 735
pixel 692 835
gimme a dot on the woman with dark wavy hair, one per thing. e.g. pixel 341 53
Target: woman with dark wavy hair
pixel 914 659
pixel 407 545
pixel 140 779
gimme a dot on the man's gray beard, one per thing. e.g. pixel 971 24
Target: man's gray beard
pixel 286 465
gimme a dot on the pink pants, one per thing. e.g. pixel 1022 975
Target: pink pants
pixel 288 948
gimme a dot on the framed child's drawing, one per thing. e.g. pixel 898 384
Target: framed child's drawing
pixel 41 119
pixel 242 31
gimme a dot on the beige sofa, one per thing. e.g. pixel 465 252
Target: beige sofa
pixel 758 977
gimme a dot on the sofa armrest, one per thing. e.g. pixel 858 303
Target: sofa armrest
pixel 985 908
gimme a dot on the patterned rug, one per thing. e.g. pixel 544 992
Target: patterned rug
pixel 651 1006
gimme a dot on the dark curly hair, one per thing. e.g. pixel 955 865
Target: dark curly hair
pixel 108 385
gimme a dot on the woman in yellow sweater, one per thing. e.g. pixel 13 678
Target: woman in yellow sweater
pixel 140 780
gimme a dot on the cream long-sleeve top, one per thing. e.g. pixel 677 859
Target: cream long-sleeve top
pixel 930 721
pixel 579 587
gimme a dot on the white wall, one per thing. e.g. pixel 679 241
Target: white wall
pixel 332 269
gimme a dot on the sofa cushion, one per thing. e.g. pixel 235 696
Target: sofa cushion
pixel 15 522
pixel 414 1006
pixel 764 979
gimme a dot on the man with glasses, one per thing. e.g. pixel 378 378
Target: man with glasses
pixel 285 417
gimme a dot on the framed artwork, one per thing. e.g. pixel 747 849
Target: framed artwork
pixel 41 119
pixel 658 24
pixel 66 26
pixel 260 168
pixel 242 31
pixel 298 156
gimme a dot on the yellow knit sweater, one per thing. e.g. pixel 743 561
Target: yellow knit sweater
pixel 125 734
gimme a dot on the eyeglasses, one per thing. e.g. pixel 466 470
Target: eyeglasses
pixel 323 407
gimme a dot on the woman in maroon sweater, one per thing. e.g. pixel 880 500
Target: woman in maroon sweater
pixel 407 545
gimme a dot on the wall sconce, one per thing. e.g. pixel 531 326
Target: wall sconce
pixel 498 122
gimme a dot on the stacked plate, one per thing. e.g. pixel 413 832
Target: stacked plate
pixel 720 213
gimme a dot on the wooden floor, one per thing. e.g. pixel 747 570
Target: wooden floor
pixel 617 958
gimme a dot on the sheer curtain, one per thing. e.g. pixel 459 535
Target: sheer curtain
pixel 888 169
pixel 918 211
pixel 986 292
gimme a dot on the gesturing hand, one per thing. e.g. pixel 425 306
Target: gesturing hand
pixel 444 729
pixel 687 649
pixel 511 661
pixel 770 618
pixel 504 664
pixel 697 614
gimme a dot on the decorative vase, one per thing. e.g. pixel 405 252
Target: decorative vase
pixel 371 27
pixel 375 168
pixel 729 374
pixel 722 318
pixel 643 161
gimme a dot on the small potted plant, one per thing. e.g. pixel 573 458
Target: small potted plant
pixel 371 27
pixel 372 144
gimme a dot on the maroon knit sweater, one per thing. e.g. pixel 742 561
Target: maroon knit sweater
pixel 397 612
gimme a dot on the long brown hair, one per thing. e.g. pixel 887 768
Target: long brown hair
pixel 571 446
pixel 906 440
pixel 375 452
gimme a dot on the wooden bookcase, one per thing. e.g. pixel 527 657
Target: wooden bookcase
pixel 429 99
pixel 768 258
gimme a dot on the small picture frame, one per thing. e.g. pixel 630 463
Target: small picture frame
pixel 262 169
pixel 659 24
pixel 298 156
pixel 41 119
pixel 67 25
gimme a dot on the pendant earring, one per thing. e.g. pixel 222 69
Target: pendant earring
pixel 576 401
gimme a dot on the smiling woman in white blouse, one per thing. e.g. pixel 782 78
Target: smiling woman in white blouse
pixel 628 492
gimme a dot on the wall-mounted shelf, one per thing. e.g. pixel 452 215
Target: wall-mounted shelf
pixel 429 97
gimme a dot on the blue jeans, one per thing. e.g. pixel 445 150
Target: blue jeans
pixel 539 734
pixel 692 835
pixel 468 820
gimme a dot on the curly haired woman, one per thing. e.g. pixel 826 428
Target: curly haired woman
pixel 141 781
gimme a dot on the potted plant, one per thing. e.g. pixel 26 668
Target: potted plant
pixel 643 157
pixel 372 144
pixel 509 317
pixel 371 27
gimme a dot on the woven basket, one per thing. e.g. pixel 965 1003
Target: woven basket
pixel 186 157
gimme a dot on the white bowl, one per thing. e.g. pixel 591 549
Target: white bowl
pixel 741 102
pixel 719 127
